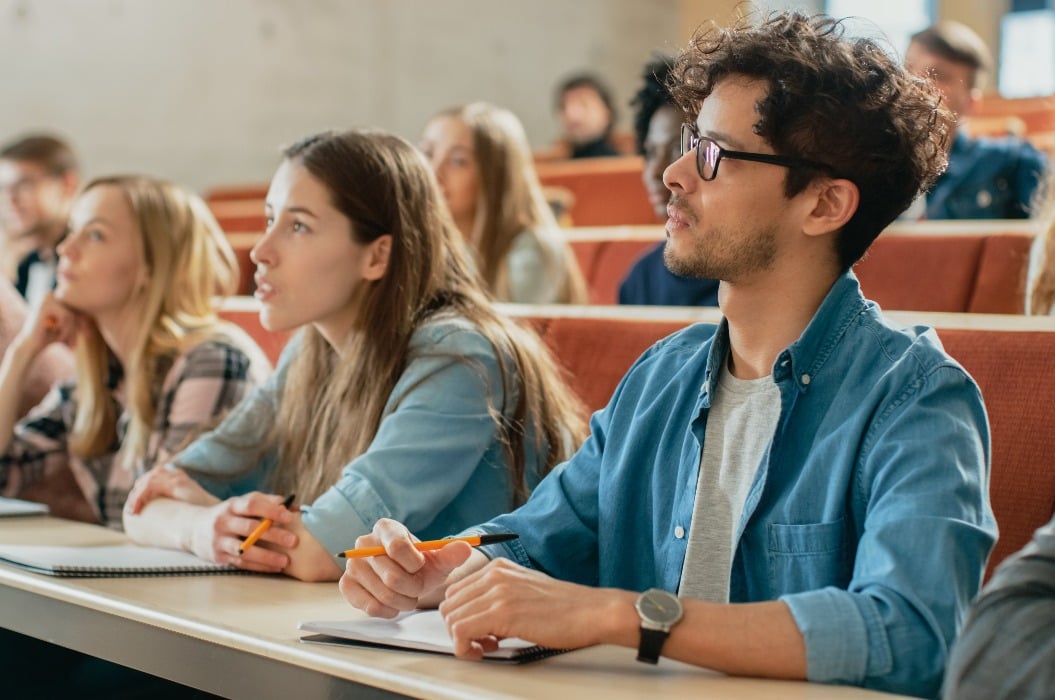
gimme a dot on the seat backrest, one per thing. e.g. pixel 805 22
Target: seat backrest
pixel 606 191
pixel 921 273
pixel 1000 285
pixel 1014 371
pixel 604 263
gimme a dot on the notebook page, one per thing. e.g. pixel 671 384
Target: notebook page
pixel 423 630
pixel 14 507
pixel 111 560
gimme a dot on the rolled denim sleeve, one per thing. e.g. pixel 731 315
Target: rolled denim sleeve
pixel 928 531
pixel 436 444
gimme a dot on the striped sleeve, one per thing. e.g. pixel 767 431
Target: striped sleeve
pixel 198 391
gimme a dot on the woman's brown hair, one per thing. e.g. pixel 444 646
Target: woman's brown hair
pixel 334 399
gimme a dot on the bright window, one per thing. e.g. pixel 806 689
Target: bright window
pixel 892 22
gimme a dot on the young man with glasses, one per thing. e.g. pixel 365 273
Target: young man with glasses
pixel 38 182
pixel 808 479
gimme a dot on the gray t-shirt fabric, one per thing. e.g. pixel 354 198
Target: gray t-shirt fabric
pixel 740 425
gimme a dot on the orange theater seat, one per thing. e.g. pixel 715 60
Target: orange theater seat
pixel 605 191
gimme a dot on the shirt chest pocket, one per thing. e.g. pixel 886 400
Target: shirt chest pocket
pixel 808 557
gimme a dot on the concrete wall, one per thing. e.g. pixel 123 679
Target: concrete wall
pixel 205 91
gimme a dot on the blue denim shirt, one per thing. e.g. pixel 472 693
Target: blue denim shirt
pixel 436 462
pixel 869 515
pixel 987 179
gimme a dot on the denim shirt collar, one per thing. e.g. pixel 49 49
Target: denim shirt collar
pixel 805 358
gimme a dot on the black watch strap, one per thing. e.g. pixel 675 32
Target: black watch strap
pixel 651 644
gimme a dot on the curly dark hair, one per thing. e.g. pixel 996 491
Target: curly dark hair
pixel 652 96
pixel 844 102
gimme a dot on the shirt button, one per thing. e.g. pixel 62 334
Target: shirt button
pixel 805 379
pixel 679 532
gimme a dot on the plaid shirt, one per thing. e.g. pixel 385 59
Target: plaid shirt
pixel 198 389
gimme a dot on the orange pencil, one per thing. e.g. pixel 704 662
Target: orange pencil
pixel 474 540
pixel 262 527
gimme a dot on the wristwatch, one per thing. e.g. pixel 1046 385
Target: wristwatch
pixel 659 611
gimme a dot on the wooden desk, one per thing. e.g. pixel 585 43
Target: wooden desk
pixel 236 636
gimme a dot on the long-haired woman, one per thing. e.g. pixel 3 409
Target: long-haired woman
pixel 406 395
pixel 137 276
pixel 482 160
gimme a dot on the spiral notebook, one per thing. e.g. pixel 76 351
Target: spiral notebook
pixel 109 561
pixel 17 508
pixel 421 630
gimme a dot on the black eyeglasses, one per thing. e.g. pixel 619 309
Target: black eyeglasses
pixel 709 155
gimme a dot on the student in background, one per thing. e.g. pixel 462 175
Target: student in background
pixel 137 274
pixel 657 126
pixel 1007 649
pixel 406 395
pixel 38 182
pixel 587 115
pixel 776 471
pixel 986 178
pixel 483 163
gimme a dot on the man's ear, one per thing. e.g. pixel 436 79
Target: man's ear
pixel 835 203
pixel 377 253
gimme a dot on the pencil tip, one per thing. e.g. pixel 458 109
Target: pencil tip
pixel 340 555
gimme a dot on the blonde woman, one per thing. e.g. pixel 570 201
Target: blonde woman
pixel 406 395
pixel 483 163
pixel 137 274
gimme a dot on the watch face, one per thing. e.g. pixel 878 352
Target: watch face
pixel 659 606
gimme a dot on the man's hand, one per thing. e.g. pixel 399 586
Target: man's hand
pixel 405 579
pixel 504 599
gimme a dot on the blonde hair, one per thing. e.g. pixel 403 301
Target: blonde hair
pixel 1040 287
pixel 333 402
pixel 189 262
pixel 511 203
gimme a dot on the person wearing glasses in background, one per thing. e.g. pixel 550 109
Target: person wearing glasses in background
pixel 39 178
pixel 791 517
pixel 657 126
pixel 38 183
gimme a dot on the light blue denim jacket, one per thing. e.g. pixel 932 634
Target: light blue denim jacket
pixel 435 464
pixel 868 516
